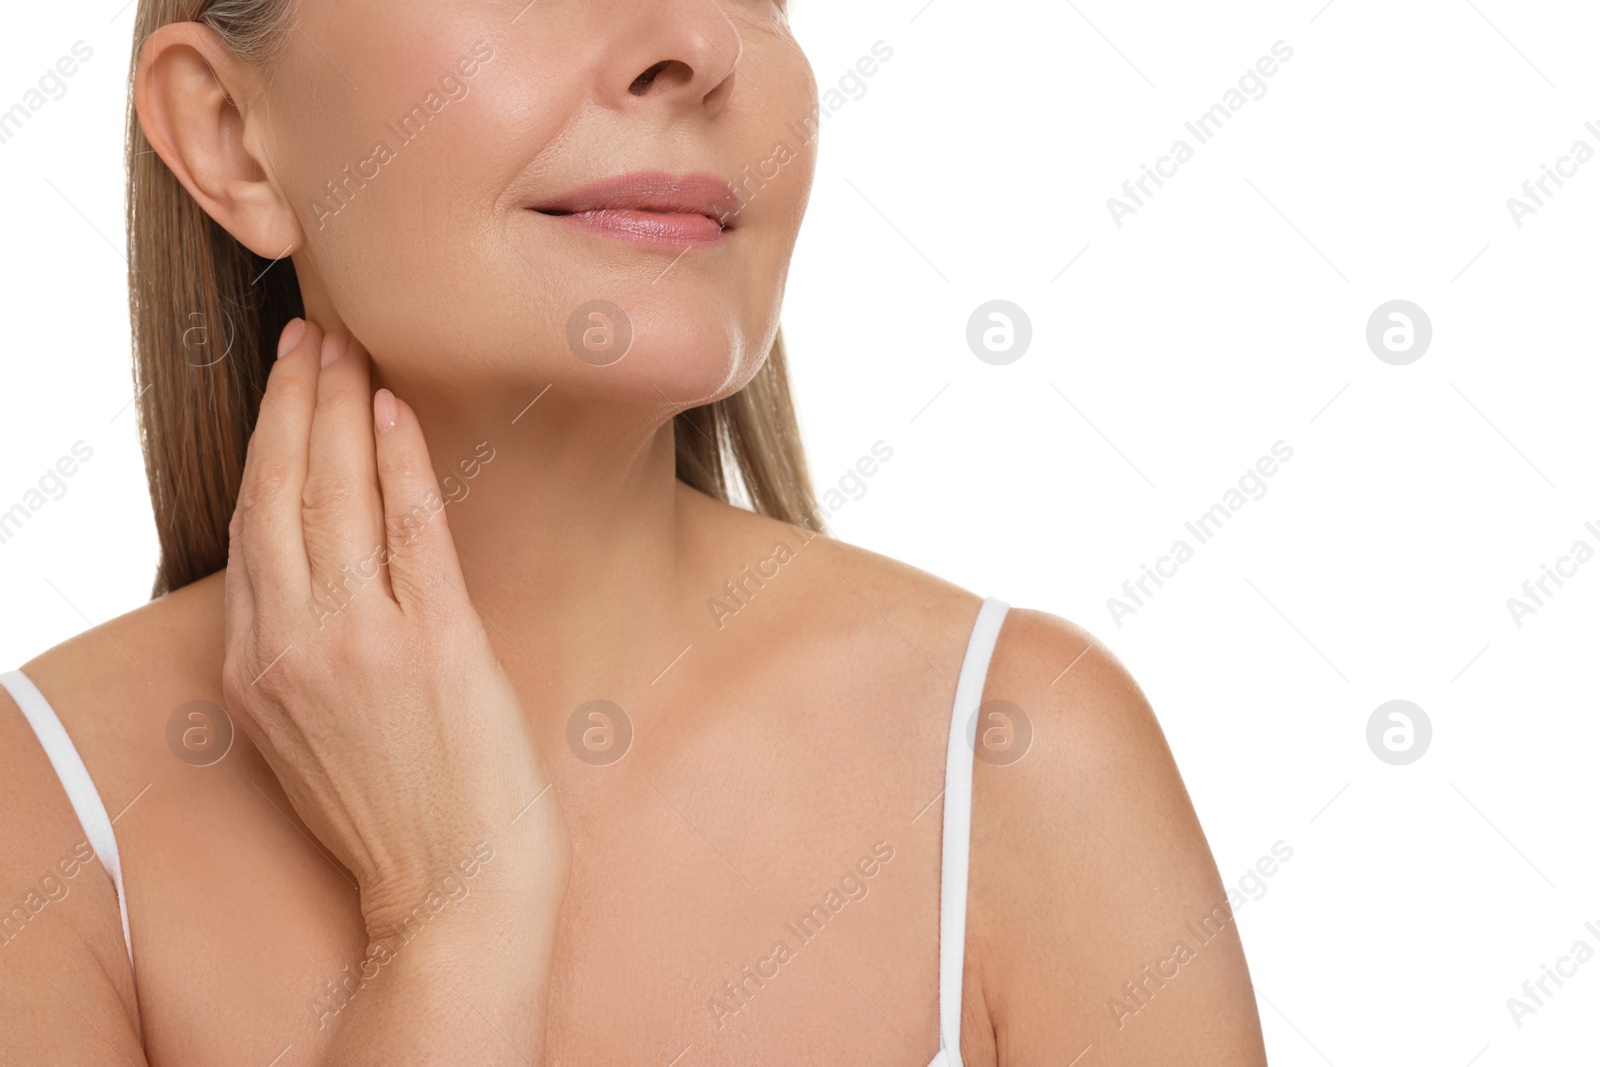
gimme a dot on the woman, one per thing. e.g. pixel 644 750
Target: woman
pixel 456 331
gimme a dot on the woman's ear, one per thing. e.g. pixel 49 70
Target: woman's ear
pixel 195 101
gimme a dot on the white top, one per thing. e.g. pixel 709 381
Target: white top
pixel 959 755
pixel 75 780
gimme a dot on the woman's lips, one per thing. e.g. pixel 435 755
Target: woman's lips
pixel 653 227
pixel 651 207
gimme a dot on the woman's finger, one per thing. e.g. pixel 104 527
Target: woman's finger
pixel 423 567
pixel 343 511
pixel 238 602
pixel 270 541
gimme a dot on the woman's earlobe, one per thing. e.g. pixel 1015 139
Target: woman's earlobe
pixel 185 92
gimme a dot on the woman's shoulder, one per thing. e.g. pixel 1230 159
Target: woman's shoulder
pixel 140 659
pixel 1061 710
pixel 117 686
pixel 1092 882
pixel 927 609
pixel 113 688
pixel 1090 875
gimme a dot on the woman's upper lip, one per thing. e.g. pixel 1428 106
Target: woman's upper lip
pixel 658 191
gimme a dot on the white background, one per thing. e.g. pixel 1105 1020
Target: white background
pixel 1225 315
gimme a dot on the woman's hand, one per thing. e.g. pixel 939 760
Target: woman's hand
pixel 361 671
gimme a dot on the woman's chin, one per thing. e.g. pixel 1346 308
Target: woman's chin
pixel 644 347
pixel 657 371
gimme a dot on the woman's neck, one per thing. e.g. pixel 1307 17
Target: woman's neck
pixel 568 524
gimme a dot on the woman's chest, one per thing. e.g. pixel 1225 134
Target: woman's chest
pixel 735 914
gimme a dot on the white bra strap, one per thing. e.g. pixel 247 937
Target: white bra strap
pixel 958 824
pixel 75 780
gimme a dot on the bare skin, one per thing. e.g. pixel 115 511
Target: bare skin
pixel 772 750
pixel 793 745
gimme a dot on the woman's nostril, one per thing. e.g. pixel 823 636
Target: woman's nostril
pixel 642 83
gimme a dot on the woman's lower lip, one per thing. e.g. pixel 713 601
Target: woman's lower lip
pixel 647 227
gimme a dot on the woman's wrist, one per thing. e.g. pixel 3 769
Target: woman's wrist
pixel 463 991
pixel 462 975
pixel 485 893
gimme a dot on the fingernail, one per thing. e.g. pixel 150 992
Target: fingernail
pixel 333 346
pixel 291 336
pixel 385 411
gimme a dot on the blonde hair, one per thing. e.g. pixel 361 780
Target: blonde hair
pixel 206 314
